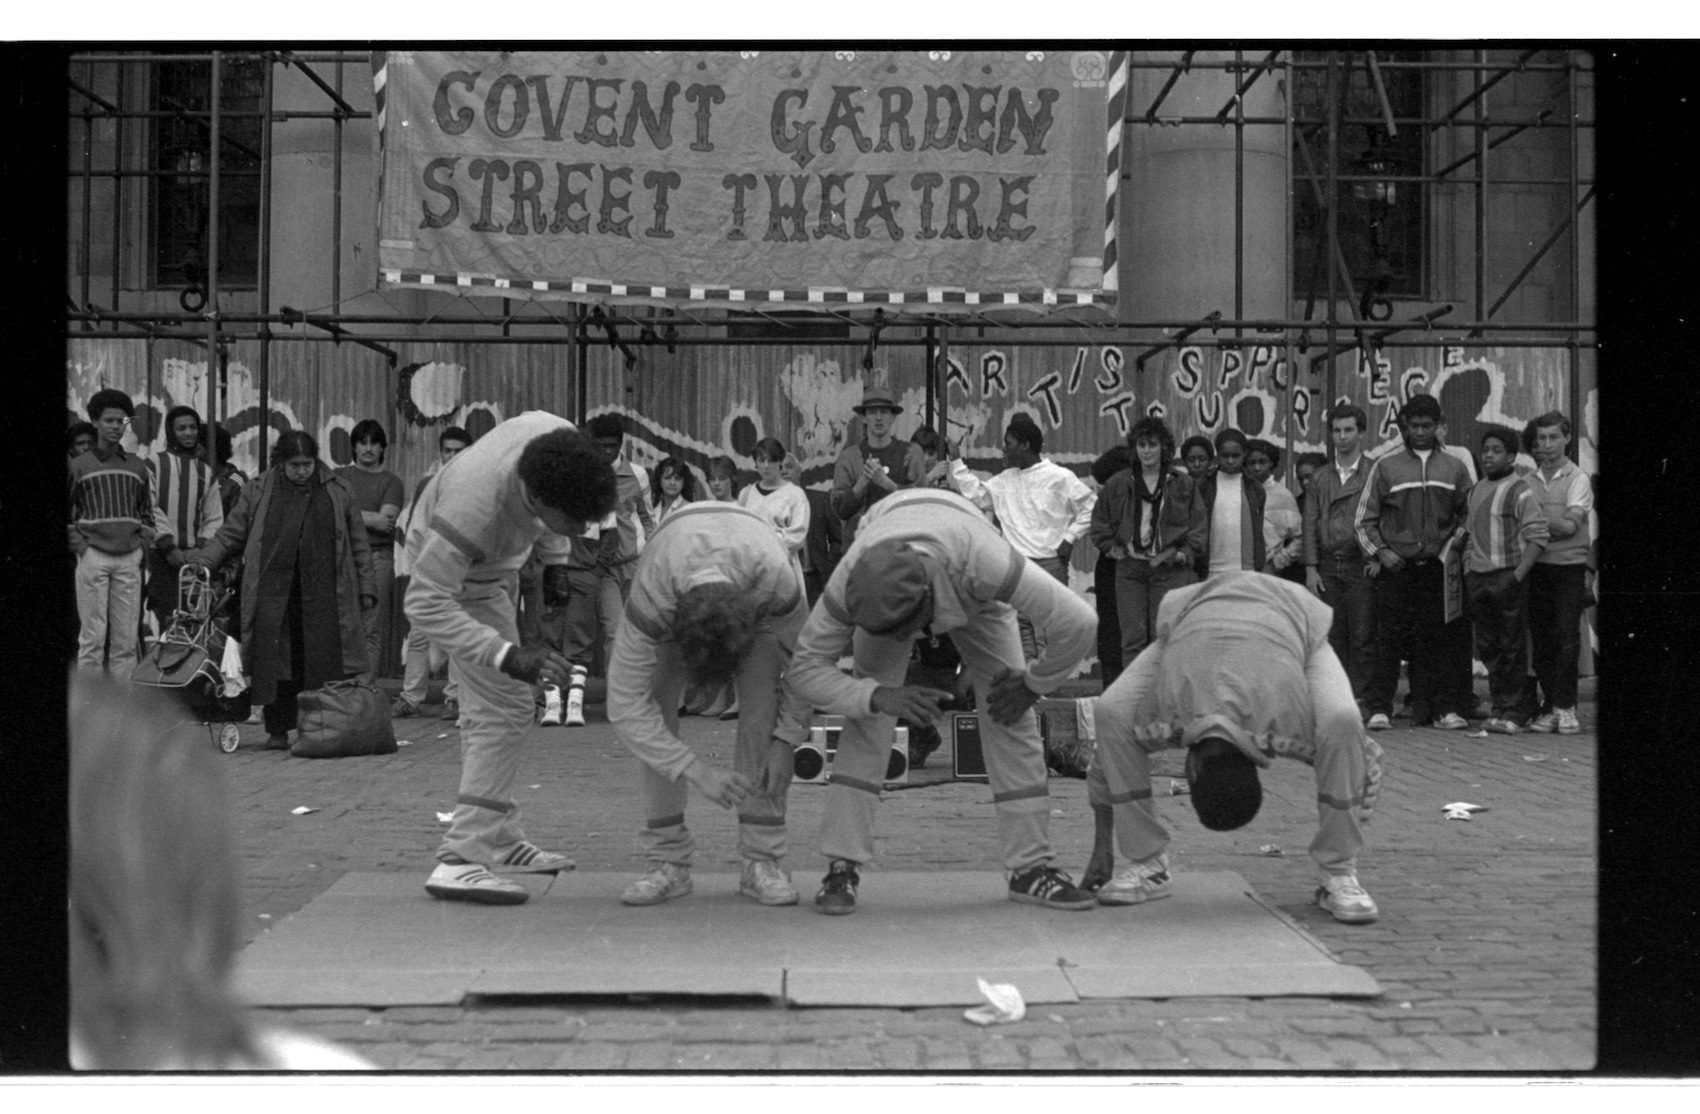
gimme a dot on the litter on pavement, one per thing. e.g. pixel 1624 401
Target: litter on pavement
pixel 1003 1005
pixel 445 817
pixel 303 810
pixel 1178 788
pixel 1462 810
pixel 1271 850
pixel 1536 757
pixel 1475 734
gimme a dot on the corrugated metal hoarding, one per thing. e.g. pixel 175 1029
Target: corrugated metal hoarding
pixel 703 401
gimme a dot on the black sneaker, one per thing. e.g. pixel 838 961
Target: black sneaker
pixel 923 740
pixel 837 894
pixel 1048 886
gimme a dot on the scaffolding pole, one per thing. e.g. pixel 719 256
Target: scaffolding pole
pixel 265 267
pixel 213 362
pixel 100 103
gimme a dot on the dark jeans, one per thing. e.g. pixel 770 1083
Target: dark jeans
pixel 813 585
pixel 1351 594
pixel 1555 629
pixel 1109 624
pixel 1499 609
pixel 1456 679
pixel 1140 588
pixel 1408 627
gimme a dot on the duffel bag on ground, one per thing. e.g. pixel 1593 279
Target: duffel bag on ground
pixel 344 719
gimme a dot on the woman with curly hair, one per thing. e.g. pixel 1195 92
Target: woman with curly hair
pixel 671 486
pixel 1152 523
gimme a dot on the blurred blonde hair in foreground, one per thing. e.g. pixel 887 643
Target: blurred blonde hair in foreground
pixel 155 903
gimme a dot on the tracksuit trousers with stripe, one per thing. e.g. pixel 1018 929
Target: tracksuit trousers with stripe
pixel 1015 758
pixel 497 711
pixel 1120 774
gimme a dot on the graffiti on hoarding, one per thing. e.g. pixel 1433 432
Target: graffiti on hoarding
pixel 1084 397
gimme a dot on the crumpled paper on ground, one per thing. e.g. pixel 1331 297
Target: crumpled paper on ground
pixel 1461 810
pixel 303 810
pixel 1003 1005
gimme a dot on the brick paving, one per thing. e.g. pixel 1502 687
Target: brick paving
pixel 1485 947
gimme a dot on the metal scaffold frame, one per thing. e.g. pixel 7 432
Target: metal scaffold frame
pixel 467 320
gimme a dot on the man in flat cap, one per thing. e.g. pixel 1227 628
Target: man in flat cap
pixel 1240 672
pixel 879 465
pixel 927 562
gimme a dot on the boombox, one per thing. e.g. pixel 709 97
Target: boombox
pixel 811 763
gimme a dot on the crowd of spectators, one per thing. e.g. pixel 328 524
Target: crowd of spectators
pixel 1369 534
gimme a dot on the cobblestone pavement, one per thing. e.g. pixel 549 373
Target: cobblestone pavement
pixel 1485 946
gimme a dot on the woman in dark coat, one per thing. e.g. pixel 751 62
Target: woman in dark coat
pixel 307 579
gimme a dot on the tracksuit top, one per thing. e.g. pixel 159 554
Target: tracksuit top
pixel 697 544
pixel 1411 506
pixel 973 569
pixel 474 526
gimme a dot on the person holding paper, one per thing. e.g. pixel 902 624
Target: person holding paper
pixel 1413 500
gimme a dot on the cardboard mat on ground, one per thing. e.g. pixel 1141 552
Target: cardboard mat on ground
pixel 916 939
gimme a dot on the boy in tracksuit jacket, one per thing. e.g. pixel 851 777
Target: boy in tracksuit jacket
pixel 1413 500
pixel 1507 532
pixel 474 527
pixel 714 574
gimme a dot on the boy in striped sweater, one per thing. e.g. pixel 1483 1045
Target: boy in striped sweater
pixel 188 509
pixel 1507 532
pixel 111 502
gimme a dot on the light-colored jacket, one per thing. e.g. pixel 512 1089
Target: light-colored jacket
pixel 245 532
pixel 699 543
pixel 475 525
pixel 976 574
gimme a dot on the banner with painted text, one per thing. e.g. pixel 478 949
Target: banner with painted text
pixel 801 179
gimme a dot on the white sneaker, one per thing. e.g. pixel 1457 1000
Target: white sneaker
pixel 1568 724
pixel 1452 721
pixel 473 882
pixel 1545 723
pixel 1345 900
pixel 767 883
pixel 1379 722
pixel 551 716
pixel 528 858
pixel 1137 882
pixel 575 706
pixel 663 880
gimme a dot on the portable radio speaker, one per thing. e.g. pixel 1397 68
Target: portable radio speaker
pixel 968 759
pixel 811 763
